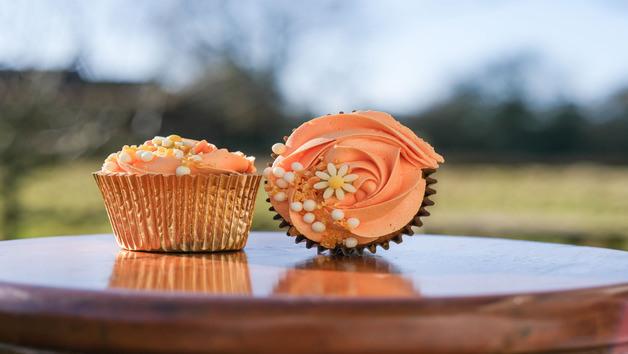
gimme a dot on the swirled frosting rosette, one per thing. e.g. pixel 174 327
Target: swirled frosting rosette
pixel 351 181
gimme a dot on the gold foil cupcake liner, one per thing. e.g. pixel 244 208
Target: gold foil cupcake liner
pixel 383 241
pixel 213 273
pixel 179 214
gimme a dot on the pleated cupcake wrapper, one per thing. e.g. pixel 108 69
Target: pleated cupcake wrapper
pixel 215 273
pixel 179 214
pixel 383 241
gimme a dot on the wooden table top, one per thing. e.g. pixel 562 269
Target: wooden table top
pixel 428 294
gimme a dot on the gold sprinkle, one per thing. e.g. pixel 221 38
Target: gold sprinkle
pixel 174 138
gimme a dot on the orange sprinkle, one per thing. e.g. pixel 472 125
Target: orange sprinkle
pixel 129 151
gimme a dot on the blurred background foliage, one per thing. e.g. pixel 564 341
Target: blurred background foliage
pixel 515 167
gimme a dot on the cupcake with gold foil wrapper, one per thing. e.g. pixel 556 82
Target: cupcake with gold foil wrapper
pixel 172 194
pixel 350 182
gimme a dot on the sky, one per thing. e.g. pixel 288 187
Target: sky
pixel 397 56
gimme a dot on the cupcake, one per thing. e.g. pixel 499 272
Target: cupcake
pixel 347 182
pixel 179 195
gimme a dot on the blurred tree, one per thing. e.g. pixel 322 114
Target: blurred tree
pixel 562 132
pixel 510 128
pixel 24 99
pixel 457 124
pixel 610 136
pixel 230 107
pixel 254 36
pixel 491 115
pixel 48 117
pixel 239 51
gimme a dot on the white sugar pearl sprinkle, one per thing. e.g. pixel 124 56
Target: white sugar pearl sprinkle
pixel 267 172
pixel 110 166
pixel 278 172
pixel 337 214
pixel 289 177
pixel 147 156
pixel 178 153
pixel 138 154
pixel 280 197
pixel 124 157
pixel 281 183
pixel 353 223
pixel 296 166
pixel 351 242
pixel 296 206
pixel 309 218
pixel 182 171
pixel 166 143
pixel 309 205
pixel 279 148
pixel 196 158
pixel 318 227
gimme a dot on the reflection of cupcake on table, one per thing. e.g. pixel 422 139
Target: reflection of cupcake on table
pixel 347 182
pixel 366 276
pixel 215 273
pixel 172 194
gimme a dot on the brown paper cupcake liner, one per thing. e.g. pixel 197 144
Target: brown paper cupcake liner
pixel 214 273
pixel 179 214
pixel 383 241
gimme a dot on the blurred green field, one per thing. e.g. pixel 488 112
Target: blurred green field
pixel 575 203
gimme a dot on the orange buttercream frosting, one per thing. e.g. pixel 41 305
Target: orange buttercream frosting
pixel 348 179
pixel 180 156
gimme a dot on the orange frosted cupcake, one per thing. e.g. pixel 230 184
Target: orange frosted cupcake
pixel 347 182
pixel 179 195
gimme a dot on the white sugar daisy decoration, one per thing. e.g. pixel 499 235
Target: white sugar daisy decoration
pixel 336 181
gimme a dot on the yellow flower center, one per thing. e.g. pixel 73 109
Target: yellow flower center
pixel 335 182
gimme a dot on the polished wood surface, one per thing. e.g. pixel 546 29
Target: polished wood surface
pixel 429 294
